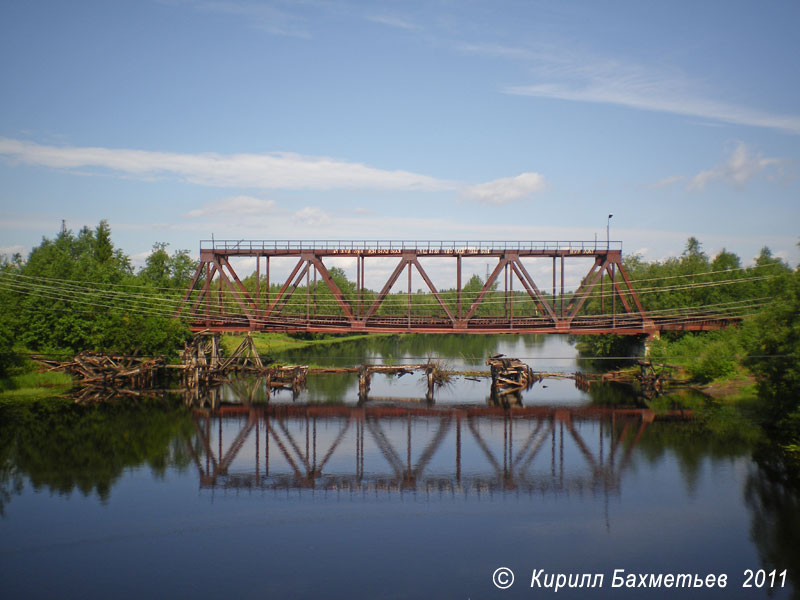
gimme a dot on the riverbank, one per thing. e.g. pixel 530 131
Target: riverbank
pixel 270 344
pixel 35 386
pixel 741 387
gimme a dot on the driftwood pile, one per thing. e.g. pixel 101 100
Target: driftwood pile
pixel 110 371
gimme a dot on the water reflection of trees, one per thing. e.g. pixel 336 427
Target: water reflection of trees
pixel 772 493
pixel 64 447
pixel 469 349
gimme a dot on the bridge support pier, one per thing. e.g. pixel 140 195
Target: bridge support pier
pixel 648 343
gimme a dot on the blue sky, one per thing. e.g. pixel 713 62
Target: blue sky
pixel 176 119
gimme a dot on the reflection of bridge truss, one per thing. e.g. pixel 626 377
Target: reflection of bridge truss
pixel 377 448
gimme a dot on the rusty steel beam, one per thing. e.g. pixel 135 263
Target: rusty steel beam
pixel 433 290
pixel 337 293
pixel 486 287
pixel 240 312
pixel 531 288
pixel 387 287
pixel 297 267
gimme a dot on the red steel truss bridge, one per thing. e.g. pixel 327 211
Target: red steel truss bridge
pixel 217 300
pixel 435 449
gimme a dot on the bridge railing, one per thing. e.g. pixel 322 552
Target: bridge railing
pixel 430 246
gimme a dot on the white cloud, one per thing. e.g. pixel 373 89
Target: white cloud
pixel 667 181
pixel 741 167
pixel 506 189
pixel 263 171
pixel 240 205
pixel 392 20
pixel 579 77
pixel 312 216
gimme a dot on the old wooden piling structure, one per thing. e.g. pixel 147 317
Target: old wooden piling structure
pixel 511 374
pixel 109 370
pixel 434 375
pixel 202 363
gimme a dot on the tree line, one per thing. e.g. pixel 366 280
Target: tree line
pixel 62 298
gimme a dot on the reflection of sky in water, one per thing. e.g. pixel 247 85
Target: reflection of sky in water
pixel 543 353
pixel 677 502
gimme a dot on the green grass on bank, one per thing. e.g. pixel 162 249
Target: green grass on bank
pixel 35 385
pixel 739 388
pixel 271 344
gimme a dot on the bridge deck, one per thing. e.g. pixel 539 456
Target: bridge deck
pixel 398 247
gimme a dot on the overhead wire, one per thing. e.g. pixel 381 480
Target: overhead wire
pixel 160 301
pixel 299 301
pixel 293 301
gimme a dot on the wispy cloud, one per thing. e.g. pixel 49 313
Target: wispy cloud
pixel 507 189
pixel 572 76
pixel 742 166
pixel 667 182
pixel 280 170
pixel 394 20
pixel 241 205
pixel 265 16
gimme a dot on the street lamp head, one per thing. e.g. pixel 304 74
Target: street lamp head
pixel 609 216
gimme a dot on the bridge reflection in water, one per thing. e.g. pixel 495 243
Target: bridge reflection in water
pixel 465 449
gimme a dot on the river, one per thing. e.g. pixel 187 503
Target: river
pixel 316 495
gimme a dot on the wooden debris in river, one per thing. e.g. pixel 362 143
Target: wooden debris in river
pixel 109 370
pixel 435 376
pixel 511 374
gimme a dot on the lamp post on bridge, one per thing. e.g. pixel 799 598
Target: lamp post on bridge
pixel 608 229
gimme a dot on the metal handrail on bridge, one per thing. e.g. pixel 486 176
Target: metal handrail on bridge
pixel 427 246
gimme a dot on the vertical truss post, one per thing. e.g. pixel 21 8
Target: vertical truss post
pixel 409 295
pixel 308 297
pixel 458 286
pixel 613 298
pixel 205 293
pixel 561 311
pixel 358 287
pixel 511 297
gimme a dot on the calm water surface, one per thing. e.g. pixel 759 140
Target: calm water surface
pixel 320 497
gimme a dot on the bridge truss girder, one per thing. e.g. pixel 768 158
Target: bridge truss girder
pixel 217 299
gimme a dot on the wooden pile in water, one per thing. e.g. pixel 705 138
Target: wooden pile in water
pixel 202 363
pixel 511 374
pixel 582 381
pixel 435 375
pixel 108 370
pixel 287 378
